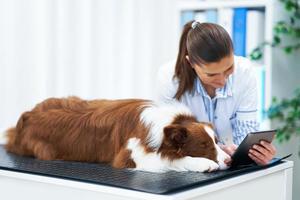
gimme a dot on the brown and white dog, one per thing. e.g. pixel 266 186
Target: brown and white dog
pixel 128 133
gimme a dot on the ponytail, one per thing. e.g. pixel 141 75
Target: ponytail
pixel 183 69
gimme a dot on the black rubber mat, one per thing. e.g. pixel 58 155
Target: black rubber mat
pixel 103 174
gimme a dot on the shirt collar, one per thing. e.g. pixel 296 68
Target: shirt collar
pixel 223 92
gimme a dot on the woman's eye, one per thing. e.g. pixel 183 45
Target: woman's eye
pixel 210 75
pixel 230 69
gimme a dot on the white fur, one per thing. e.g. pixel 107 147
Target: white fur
pixel 159 116
pixel 210 132
pixel 3 137
pixel 154 163
pixel 195 164
pixel 221 155
pixel 146 161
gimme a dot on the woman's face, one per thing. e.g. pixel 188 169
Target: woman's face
pixel 215 74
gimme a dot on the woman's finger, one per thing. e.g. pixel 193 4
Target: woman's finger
pixel 259 156
pixel 270 147
pixel 261 149
pixel 234 147
pixel 229 149
pixel 256 159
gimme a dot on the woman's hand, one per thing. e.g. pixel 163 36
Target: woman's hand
pixel 229 149
pixel 262 153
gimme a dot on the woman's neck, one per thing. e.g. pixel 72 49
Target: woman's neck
pixel 210 91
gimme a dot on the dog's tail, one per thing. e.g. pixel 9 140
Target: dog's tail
pixel 13 135
pixel 10 137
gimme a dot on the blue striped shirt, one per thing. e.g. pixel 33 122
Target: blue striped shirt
pixel 233 110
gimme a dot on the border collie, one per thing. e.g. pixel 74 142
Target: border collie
pixel 126 133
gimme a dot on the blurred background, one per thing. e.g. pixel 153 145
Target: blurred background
pixel 88 48
pixel 113 49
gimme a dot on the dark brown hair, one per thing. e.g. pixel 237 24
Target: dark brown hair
pixel 203 43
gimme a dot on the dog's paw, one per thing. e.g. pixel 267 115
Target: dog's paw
pixel 212 166
pixel 195 164
pixel 206 165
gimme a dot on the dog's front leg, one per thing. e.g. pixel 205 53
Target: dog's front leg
pixel 194 164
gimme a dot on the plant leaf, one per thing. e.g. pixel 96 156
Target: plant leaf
pixel 288 49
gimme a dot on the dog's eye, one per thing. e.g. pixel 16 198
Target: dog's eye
pixel 216 139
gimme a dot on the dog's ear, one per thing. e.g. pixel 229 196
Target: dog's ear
pixel 175 135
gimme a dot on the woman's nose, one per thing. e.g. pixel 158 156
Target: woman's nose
pixel 222 78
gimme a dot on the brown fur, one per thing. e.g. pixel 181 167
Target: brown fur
pixel 98 131
pixel 74 129
pixel 189 139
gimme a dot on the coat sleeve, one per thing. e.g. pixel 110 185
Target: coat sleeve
pixel 247 111
pixel 165 84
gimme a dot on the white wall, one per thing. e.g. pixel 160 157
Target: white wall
pixel 88 48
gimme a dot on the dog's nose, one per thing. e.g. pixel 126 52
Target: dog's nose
pixel 227 161
pixel 223 158
pixel 224 165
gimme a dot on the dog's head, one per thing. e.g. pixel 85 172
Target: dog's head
pixel 191 138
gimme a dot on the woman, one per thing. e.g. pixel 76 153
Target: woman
pixel 216 85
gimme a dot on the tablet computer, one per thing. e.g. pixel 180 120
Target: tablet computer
pixel 240 157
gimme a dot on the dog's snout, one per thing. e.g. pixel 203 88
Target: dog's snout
pixel 223 158
pixel 227 161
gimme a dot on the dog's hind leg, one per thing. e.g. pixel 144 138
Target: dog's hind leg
pixel 123 159
pixel 43 150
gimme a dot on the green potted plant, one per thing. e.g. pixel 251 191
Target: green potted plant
pixel 284 30
pixel 285 112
